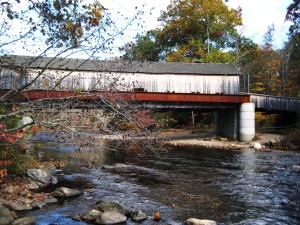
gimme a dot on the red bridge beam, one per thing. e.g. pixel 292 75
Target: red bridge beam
pixel 137 96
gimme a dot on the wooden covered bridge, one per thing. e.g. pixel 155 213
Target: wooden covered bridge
pixel 161 85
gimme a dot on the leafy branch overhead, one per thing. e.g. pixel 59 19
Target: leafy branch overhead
pixel 62 23
pixel 68 22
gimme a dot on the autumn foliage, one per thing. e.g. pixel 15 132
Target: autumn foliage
pixel 9 147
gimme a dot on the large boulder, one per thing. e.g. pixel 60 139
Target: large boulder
pixel 64 192
pixel 193 221
pixel 5 216
pixel 41 177
pixel 113 206
pixel 109 217
pixel 25 221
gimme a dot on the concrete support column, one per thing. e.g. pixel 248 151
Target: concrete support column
pixel 247 122
pixel 227 123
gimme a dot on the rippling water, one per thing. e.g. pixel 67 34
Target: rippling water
pixel 230 187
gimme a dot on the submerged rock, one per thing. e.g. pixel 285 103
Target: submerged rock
pixel 296 168
pixel 66 192
pixel 25 221
pixel 115 166
pixel 5 216
pixel 193 221
pixel 109 217
pixel 112 206
pixel 41 204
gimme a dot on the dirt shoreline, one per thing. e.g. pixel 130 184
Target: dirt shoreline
pixel 208 140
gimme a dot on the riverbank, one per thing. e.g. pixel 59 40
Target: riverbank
pixel 208 140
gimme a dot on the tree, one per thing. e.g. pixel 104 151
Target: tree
pixel 293 14
pixel 290 68
pixel 145 48
pixel 198 30
pixel 61 29
pixel 191 31
pixel 262 64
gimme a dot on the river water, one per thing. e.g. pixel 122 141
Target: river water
pixel 230 187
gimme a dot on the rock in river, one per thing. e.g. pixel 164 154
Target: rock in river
pixel 91 216
pixel 193 221
pixel 296 168
pixel 25 221
pixel 112 206
pixel 14 205
pixel 109 217
pixel 41 177
pixel 257 146
pixel 66 192
pixel 138 216
pixel 6 217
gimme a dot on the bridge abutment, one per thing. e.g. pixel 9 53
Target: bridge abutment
pixel 247 122
pixel 237 123
pixel 227 123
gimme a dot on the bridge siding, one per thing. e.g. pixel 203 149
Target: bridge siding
pixel 272 103
pixel 103 81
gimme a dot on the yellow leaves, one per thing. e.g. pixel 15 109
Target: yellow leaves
pixel 95 14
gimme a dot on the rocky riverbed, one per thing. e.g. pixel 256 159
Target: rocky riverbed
pixel 208 140
pixel 25 194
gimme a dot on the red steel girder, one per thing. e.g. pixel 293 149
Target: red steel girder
pixel 138 96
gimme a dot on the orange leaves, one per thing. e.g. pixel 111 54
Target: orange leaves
pixel 156 216
pixel 3 171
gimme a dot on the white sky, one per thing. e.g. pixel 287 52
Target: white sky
pixel 257 15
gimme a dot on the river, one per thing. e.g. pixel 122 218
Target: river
pixel 230 187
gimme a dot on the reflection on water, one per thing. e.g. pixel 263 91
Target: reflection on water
pixel 229 187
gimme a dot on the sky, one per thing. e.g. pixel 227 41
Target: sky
pixel 257 16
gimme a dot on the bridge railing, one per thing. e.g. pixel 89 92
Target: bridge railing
pixel 277 130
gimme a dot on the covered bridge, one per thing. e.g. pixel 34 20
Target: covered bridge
pixel 72 74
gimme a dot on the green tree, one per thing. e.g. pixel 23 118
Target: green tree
pixel 199 30
pixel 145 48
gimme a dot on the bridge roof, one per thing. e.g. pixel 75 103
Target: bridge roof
pixel 122 66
